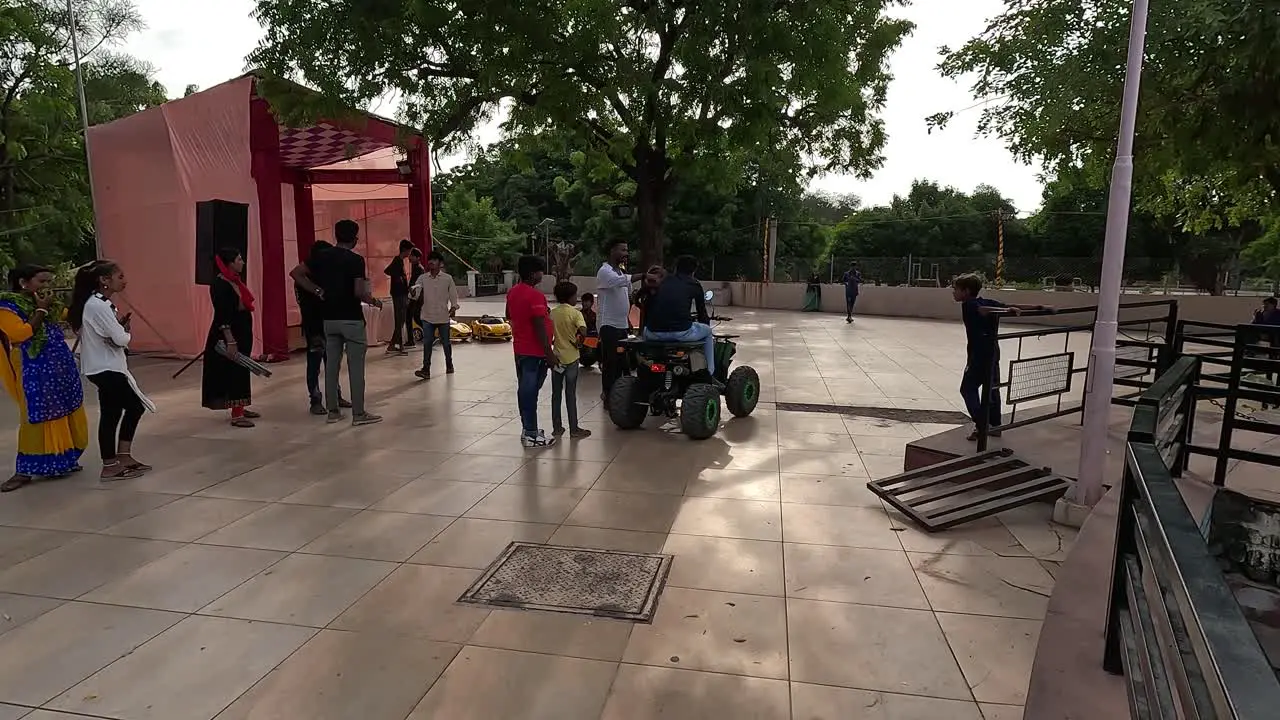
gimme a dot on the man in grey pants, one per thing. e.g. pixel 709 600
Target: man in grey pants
pixel 339 275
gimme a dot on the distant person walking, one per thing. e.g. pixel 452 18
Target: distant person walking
pixel 225 384
pixel 439 298
pixel 104 337
pixel 399 298
pixel 613 295
pixel 852 280
pixel 413 317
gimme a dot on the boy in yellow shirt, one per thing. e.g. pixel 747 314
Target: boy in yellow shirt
pixel 570 327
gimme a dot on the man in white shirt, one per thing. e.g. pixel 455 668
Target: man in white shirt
pixel 613 298
pixel 439 298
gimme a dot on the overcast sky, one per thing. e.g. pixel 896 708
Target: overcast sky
pixel 205 43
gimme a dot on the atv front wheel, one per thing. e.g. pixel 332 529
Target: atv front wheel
pixel 624 411
pixel 700 411
pixel 742 392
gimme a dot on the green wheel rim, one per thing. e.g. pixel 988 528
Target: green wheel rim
pixel 749 392
pixel 713 412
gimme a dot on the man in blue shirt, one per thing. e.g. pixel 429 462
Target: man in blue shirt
pixel 982 355
pixel 852 279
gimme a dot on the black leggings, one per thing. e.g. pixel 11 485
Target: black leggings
pixel 120 408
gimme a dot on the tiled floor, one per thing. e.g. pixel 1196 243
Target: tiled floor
pixel 304 570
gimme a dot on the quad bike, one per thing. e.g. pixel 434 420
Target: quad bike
pixel 671 379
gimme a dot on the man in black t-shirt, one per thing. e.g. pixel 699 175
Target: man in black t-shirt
pixel 416 270
pixel 339 275
pixel 311 307
pixel 399 297
pixel 666 314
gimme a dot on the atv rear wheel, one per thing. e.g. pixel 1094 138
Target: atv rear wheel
pixel 700 411
pixel 742 392
pixel 624 411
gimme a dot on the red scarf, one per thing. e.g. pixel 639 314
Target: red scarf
pixel 233 277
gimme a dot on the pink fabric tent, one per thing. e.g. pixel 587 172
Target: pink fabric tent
pixel 150 169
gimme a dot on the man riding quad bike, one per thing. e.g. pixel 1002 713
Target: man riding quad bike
pixel 682 367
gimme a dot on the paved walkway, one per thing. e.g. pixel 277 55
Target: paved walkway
pixel 304 570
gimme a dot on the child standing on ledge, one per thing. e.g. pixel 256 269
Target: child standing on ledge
pixel 982 356
pixel 570 328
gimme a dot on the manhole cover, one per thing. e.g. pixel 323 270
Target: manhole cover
pixel 605 583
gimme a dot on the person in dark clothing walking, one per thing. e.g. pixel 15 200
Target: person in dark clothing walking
pixel 399 298
pixel 852 281
pixel 416 270
pixel 311 307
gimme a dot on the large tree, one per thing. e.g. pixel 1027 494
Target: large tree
pixel 655 88
pixel 45 211
pixel 1206 148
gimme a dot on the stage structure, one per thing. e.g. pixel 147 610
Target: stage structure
pixel 157 174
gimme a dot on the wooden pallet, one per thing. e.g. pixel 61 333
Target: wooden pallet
pixel 949 493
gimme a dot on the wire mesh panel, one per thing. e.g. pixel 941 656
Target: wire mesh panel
pixel 1039 377
pixel 1133 353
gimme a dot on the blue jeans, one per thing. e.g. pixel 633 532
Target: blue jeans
pixel 315 361
pixel 429 333
pixel 981 374
pixel 531 373
pixel 697 331
pixel 850 299
pixel 565 384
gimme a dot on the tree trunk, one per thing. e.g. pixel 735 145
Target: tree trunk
pixel 652 189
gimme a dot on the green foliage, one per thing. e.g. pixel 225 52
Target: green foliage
pixel 931 221
pixel 657 90
pixel 472 230
pixel 45 208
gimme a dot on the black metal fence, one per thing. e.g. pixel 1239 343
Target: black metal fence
pixel 1174 628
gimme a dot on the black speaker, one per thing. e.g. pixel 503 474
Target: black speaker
pixel 219 224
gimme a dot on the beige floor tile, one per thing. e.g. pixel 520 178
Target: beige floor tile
pixel 735 485
pixel 488 683
pixel 789 439
pixel 828 490
pixel 490 469
pixel 845 526
pixel 187 579
pixel 644 512
pixel 356 490
pixel 527 503
pixel 603 539
pixel 853 575
pixel 189 672
pixel 17 545
pixel 80 566
pixel 717 632
pixel 408 464
pixel 553 633
pixel 805 422
pixel 18 609
pixel 819 702
pixel 871 648
pixel 1005 587
pixel 441 442
pixel 472 543
pixel 417 600
pixel 301 590
pixel 814 462
pixel 654 693
pixel 344 675
pixel 894 447
pixel 985 536
pixel 995 654
pixel 185 519
pixel 1001 712
pixel 374 535
pixel 876 427
pixel 93 510
pixel 279 527
pixel 435 497
pixel 637 478
pixel 1034 530
pixel 577 474
pixel 880 467
pixel 265 484
pixel 729 565
pixel 46 656
pixel 13 712
pixel 718 517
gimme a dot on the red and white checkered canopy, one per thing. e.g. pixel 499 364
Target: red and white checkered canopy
pixel 322 144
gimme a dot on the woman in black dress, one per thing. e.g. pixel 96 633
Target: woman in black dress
pixel 225 384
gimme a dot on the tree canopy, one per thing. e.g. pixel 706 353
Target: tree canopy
pixel 658 90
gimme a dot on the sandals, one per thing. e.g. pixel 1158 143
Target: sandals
pixel 242 422
pixel 251 415
pixel 129 462
pixel 128 473
pixel 16 482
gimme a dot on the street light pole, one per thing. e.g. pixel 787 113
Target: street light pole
pixel 1102 354
pixel 84 122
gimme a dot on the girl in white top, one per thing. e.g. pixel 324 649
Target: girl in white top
pixel 103 339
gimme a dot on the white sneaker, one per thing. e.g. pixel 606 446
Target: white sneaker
pixel 540 440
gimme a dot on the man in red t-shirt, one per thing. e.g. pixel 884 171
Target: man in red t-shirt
pixel 531 333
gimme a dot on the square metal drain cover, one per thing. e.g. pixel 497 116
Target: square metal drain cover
pixel 604 583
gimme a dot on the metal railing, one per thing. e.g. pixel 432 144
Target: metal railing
pixel 1174 628
pixel 1146 347
pixel 1242 367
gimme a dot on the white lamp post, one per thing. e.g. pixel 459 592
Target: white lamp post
pixel 1102 354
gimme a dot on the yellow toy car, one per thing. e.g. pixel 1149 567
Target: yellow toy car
pixel 458 332
pixel 490 327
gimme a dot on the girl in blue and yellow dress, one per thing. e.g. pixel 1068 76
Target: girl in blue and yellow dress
pixel 40 374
